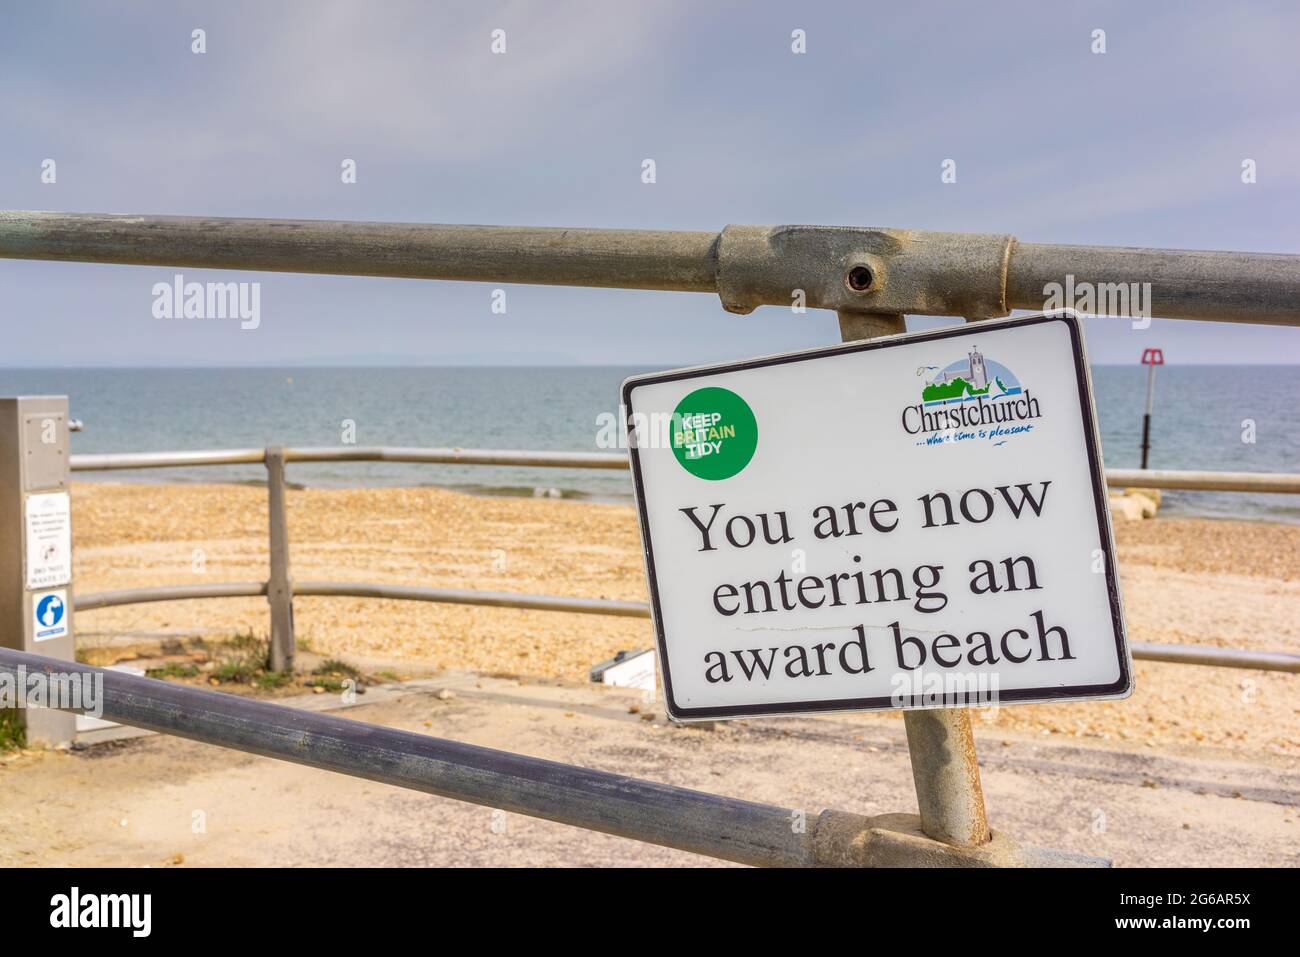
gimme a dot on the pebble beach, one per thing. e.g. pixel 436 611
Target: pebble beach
pixel 1185 581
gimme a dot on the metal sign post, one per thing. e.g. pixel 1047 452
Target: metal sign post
pixel 1150 358
pixel 36 545
pixel 940 743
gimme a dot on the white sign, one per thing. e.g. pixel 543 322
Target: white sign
pixel 49 615
pixel 49 540
pixel 629 670
pixel 918 521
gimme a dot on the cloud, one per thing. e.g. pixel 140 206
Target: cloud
pixel 1140 146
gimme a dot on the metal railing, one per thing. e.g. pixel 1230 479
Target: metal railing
pixel 726 828
pixel 1286 482
pixel 864 271
pixel 282 633
pixel 871 277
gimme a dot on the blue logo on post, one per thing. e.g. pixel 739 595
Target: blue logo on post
pixel 50 612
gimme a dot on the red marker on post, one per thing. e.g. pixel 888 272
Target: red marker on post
pixel 1150 358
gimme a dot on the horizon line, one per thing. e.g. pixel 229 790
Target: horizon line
pixel 159 367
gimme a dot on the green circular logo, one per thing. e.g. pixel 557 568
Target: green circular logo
pixel 714 433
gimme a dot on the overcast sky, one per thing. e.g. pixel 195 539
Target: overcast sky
pixel 1142 145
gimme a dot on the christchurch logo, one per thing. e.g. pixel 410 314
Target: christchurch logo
pixel 964 381
pixel 971 399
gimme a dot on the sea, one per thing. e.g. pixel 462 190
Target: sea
pixel 1232 418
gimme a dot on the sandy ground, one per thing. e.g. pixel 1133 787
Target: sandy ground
pixel 1201 767
pixel 1185 581
pixel 161 801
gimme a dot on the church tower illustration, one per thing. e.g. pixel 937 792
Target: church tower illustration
pixel 979 376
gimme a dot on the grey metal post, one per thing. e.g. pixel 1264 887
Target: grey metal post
pixel 942 747
pixel 947 776
pixel 279 590
pixel 36 545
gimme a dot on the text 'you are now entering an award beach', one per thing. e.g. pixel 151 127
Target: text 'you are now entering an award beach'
pixel 917 521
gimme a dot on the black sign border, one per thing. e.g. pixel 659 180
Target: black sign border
pixel 1120 688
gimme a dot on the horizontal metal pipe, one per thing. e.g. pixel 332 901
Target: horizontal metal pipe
pixel 112 461
pixel 469 596
pixel 431 456
pixel 523 459
pixel 448 596
pixel 1184 283
pixel 1217 657
pixel 620 258
pixel 139 596
pixel 728 828
pixel 1178 654
pixel 1284 482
